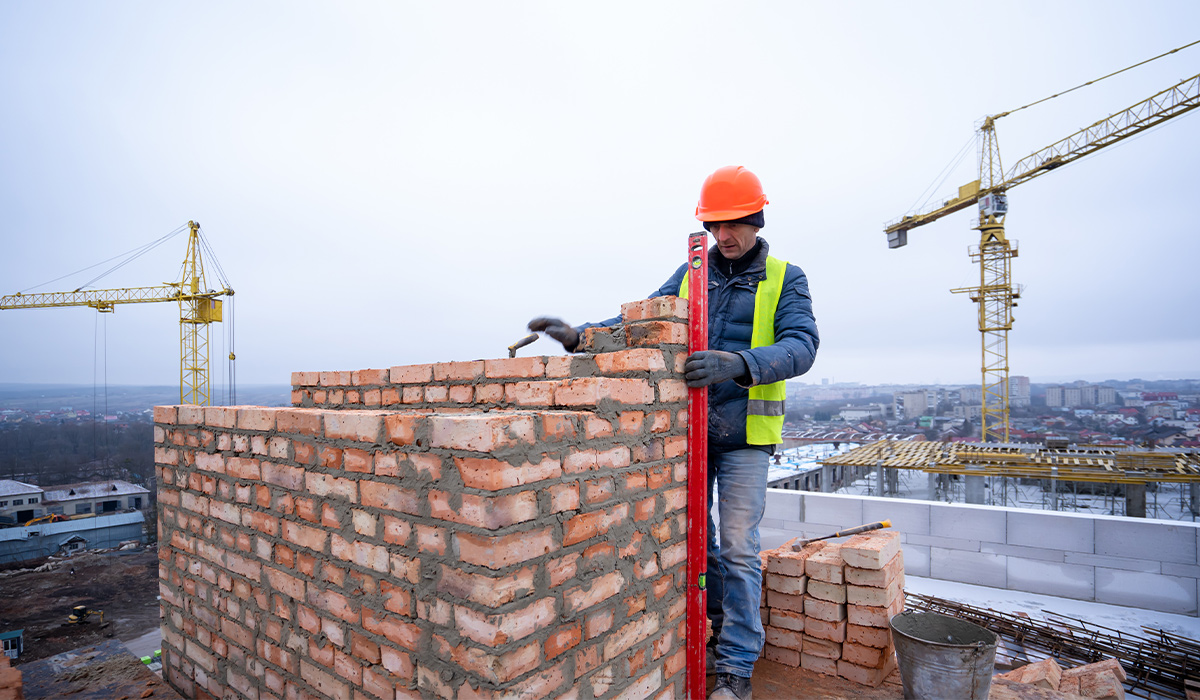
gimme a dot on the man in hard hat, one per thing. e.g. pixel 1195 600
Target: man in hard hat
pixel 761 331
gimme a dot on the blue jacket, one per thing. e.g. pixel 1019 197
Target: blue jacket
pixel 730 323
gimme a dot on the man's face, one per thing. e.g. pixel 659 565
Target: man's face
pixel 734 240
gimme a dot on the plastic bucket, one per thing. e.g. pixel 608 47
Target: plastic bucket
pixel 943 657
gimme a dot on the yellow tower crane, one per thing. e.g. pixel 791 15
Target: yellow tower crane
pixel 995 294
pixel 199 307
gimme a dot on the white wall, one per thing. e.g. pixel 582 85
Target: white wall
pixel 1151 564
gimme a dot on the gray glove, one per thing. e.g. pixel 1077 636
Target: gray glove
pixel 558 329
pixel 712 366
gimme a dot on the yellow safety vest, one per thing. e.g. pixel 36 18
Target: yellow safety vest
pixel 764 411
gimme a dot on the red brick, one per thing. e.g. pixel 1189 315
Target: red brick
pixel 822 648
pixel 656 333
pixel 787 619
pixel 335 378
pixel 480 433
pixel 515 367
pixel 327 485
pixel 785 639
pixel 872 677
pixel 303 536
pixel 871 550
pixel 639 360
pixel 563 638
pixel 590 391
pixel 361 426
pixel 657 307
pixel 242 468
pixel 879 578
pixel 444 371
pixel 488 591
pixel 823 609
pixel 818 664
pixel 291 478
pixel 390 497
pixel 826 564
pixel 491 513
pixel 497 630
pixel 832 592
pixel 411 374
pixel 497 552
pixel 878 637
pixel 493 474
pixel 868 616
pixel 792 585
pixel 256 418
pixel 787 657
pixel 530 393
pixel 822 629
pixel 588 525
pixel 431 540
pixel 871 596
pixel 594 592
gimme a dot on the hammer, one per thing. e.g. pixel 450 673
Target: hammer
pixel 843 533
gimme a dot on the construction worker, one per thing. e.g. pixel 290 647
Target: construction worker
pixel 761 332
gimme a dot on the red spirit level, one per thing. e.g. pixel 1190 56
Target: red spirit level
pixel 697 469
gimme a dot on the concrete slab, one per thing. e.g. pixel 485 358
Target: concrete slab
pixel 784 505
pixel 1008 550
pixel 1150 567
pixel 946 542
pixel 1051 530
pixel 908 517
pixel 967 567
pixel 916 559
pixel 1164 541
pixel 832 509
pixel 1172 594
pixel 1050 578
pixel 1180 570
pixel 968 522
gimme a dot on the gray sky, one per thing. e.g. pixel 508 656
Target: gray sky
pixel 392 183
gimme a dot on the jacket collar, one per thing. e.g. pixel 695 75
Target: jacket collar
pixel 756 271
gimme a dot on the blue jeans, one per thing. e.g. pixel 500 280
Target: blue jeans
pixel 734 570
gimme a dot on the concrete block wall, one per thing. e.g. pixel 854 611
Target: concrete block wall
pixel 1150 564
pixel 527 541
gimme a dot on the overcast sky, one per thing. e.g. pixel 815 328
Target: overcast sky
pixel 392 183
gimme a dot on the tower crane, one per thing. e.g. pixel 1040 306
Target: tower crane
pixel 199 306
pixel 995 294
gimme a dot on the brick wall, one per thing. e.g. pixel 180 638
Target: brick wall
pixel 490 529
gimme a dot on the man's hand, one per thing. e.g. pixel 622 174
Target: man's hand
pixel 712 366
pixel 558 329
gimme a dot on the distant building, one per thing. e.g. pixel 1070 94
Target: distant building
pixel 1018 391
pixel 44 539
pixel 969 412
pixel 860 413
pixel 19 502
pixel 99 497
pixel 909 405
pixel 971 395
pixel 1106 396
pixel 1054 397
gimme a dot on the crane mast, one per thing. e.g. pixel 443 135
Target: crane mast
pixel 995 295
pixel 199 307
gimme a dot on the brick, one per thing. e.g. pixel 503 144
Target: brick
pixel 783 601
pixel 832 592
pixel 1109 664
pixel 444 371
pixel 862 655
pixel 818 664
pixel 530 393
pixel 1102 685
pixel 822 629
pixel 655 308
pixel 656 333
pixel 360 426
pixel 871 596
pixel 498 552
pixel 497 630
pixel 592 524
pixel 783 561
pixel 871 550
pixel 639 360
pixel 784 638
pixel 787 657
pixel 872 677
pixel 823 609
pixel 494 475
pixel 869 616
pixel 787 619
pixel 334 378
pixel 879 578
pixel 791 585
pixel 411 374
pixel 590 391
pixel 480 433
pixel 491 513
pixel 878 637
pixel 1044 674
pixel 826 564
pixel 515 367
pixel 596 591
pixel 672 391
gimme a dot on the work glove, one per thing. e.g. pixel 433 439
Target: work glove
pixel 558 329
pixel 712 366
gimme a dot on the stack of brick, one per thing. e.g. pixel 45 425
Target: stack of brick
pixel 827 607
pixel 491 529
pixel 11 687
pixel 1102 680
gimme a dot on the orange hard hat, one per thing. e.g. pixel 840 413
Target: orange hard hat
pixel 730 193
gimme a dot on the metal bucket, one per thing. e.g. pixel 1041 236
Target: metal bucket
pixel 943 657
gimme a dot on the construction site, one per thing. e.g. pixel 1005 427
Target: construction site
pixel 546 526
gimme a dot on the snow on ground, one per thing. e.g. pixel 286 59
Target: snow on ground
pixel 1126 620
